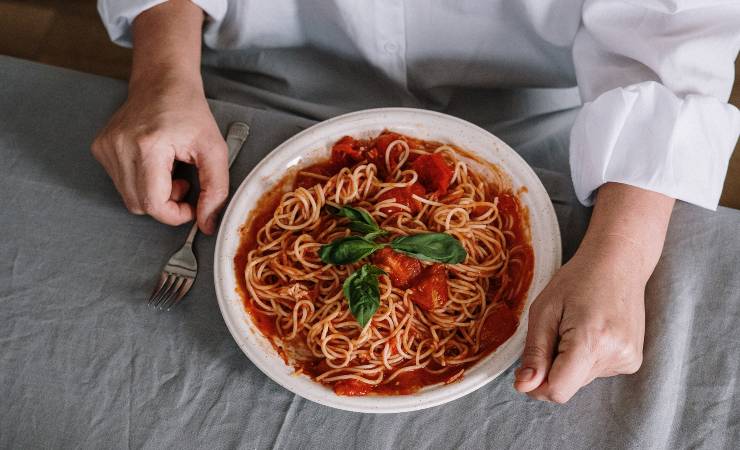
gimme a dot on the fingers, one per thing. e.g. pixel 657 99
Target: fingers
pixel 160 196
pixel 542 336
pixel 142 174
pixel 571 370
pixel 213 173
pixel 120 169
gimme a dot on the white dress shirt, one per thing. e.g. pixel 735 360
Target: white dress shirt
pixel 654 75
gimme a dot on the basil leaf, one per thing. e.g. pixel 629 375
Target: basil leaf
pixel 366 229
pixel 347 250
pixel 439 247
pixel 363 292
pixel 360 221
pixel 356 215
pixel 375 234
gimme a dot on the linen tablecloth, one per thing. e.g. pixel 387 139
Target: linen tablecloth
pixel 84 363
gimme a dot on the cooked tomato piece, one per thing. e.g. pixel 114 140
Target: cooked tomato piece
pixel 499 325
pixel 430 287
pixel 347 152
pixel 384 139
pixel 433 171
pixel 400 268
pixel 404 196
pixel 380 146
pixel 352 387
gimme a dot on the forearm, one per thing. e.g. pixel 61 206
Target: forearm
pixel 629 223
pixel 167 45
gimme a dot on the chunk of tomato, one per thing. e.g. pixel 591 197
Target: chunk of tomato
pixel 433 171
pixel 347 152
pixel 403 196
pixel 380 148
pixel 430 288
pixel 400 268
pixel 384 139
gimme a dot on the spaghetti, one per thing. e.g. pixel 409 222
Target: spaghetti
pixel 433 321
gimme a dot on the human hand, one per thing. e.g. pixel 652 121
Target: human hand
pixel 588 322
pixel 160 122
pixel 166 118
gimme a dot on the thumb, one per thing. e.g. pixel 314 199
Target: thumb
pixel 571 370
pixel 213 174
pixel 542 334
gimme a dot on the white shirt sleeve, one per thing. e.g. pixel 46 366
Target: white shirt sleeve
pixel 118 15
pixel 655 76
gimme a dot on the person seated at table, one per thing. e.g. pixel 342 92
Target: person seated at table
pixel 654 78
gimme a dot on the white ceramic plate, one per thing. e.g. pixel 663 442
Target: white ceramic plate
pixel 315 142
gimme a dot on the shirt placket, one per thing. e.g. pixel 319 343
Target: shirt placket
pixel 390 39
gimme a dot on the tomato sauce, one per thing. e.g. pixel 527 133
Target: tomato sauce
pixel 499 326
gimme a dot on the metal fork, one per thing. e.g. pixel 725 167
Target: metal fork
pixel 180 271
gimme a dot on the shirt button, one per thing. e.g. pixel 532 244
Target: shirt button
pixel 391 47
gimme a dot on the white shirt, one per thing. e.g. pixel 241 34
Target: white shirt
pixel 654 75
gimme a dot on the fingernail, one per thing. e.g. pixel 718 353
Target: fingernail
pixel 525 374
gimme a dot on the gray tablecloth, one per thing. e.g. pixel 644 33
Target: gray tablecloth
pixel 84 362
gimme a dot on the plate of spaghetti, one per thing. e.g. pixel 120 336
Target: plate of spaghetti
pixel 385 260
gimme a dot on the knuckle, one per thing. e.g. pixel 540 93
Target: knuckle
pixel 99 147
pixel 616 345
pixel 602 336
pixel 118 144
pixel 115 138
pixel 145 141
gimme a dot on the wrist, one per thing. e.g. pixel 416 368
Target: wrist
pixel 163 79
pixel 619 254
pixel 628 228
pixel 167 45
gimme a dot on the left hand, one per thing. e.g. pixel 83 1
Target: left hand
pixel 588 322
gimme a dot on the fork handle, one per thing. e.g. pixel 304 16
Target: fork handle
pixel 235 137
pixel 192 233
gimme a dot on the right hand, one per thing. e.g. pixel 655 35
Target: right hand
pixel 159 123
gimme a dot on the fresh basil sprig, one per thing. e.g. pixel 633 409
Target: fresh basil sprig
pixel 438 247
pixel 360 221
pixel 363 292
pixel 347 250
pixel 361 288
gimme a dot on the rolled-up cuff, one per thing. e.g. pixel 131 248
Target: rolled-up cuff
pixel 646 136
pixel 118 15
